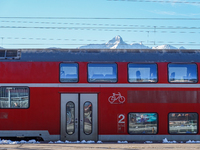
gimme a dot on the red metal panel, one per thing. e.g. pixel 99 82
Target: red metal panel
pixel 122 72
pixel 162 73
pixel 29 72
pixel 158 96
pixel 43 113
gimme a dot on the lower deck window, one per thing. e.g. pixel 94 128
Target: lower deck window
pixel 183 123
pixel 142 123
pixel 14 97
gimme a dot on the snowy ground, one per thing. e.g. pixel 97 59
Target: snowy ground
pixel 165 141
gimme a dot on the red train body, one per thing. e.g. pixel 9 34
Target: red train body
pixel 43 116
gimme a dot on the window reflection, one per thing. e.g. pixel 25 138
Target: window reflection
pixel 182 73
pixel 68 72
pixel 14 97
pixel 183 123
pixel 102 72
pixel 70 115
pixel 87 117
pixel 142 123
pixel 142 72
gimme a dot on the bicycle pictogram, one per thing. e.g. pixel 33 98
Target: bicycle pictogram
pixel 116 98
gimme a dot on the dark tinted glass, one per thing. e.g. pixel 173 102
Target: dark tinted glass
pixel 2 53
pixel 183 123
pixel 14 97
pixel 70 114
pixel 87 117
pixel 142 123
pixel 11 53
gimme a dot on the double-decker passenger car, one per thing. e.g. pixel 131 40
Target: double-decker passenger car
pixel 107 95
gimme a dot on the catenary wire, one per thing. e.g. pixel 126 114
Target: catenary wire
pixel 87 44
pixel 108 25
pixel 158 1
pixel 96 29
pixel 99 18
pixel 93 40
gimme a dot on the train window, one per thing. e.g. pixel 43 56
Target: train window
pixel 87 117
pixel 14 97
pixel 186 73
pixel 142 73
pixel 102 73
pixel 70 114
pixel 143 123
pixel 183 123
pixel 68 72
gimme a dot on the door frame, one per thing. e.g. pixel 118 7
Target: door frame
pixel 79 99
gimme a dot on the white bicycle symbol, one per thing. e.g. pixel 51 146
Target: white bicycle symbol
pixel 116 97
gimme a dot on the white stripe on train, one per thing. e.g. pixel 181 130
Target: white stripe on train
pixel 83 85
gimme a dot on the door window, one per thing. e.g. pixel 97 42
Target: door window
pixel 70 113
pixel 87 117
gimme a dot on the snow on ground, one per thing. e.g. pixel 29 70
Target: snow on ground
pixel 18 142
pixel 76 142
pixel 122 142
pixel 148 142
pixel 190 141
pixel 165 141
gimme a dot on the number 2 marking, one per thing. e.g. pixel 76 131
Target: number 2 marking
pixel 122 118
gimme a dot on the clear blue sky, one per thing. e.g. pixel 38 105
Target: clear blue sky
pixel 44 32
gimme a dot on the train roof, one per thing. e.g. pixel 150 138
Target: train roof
pixel 98 55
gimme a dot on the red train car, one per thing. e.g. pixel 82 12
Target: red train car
pixel 107 95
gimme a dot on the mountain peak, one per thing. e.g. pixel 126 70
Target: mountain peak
pixel 116 40
pixel 118 43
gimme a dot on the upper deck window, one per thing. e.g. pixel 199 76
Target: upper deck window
pixel 182 73
pixel 142 73
pixel 68 72
pixel 102 73
pixel 14 97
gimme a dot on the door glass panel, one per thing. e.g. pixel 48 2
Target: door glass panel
pixel 70 114
pixel 87 117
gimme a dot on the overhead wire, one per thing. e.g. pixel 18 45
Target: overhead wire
pixel 123 29
pixel 90 25
pixel 100 18
pixel 159 1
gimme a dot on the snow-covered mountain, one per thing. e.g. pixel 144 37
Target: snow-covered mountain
pixel 115 43
pixel 164 47
pixel 118 43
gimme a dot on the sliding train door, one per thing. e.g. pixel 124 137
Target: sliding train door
pixel 79 117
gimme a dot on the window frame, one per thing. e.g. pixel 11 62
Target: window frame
pixel 143 113
pixel 101 81
pixel 182 82
pixel 142 64
pixel 185 133
pixel 77 71
pixel 18 87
